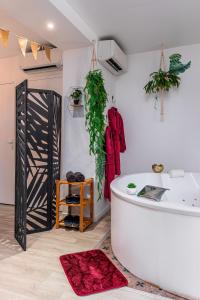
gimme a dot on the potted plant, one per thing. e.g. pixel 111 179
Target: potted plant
pixel 76 96
pixel 157 168
pixel 131 188
pixel 163 81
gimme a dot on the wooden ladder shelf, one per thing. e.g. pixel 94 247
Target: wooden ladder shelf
pixel 84 202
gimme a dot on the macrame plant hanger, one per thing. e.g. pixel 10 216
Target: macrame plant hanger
pixel 161 92
pixel 94 57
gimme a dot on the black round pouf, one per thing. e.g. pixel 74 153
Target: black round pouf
pixel 70 176
pixel 79 177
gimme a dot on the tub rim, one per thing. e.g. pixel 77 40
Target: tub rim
pixel 169 207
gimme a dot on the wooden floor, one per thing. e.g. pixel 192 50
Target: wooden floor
pixel 8 245
pixel 37 275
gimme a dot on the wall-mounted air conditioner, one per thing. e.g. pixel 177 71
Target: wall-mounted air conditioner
pixel 42 64
pixel 112 57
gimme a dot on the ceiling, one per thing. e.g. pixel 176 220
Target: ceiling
pixel 30 18
pixel 137 25
pixel 142 25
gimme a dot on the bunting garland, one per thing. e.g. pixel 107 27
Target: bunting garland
pixel 35 48
pixel 47 52
pixel 23 42
pixel 4 35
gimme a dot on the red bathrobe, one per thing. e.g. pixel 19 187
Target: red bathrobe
pixel 114 144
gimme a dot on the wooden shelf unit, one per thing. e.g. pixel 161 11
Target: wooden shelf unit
pixel 84 222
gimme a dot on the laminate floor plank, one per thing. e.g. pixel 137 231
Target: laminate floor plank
pixel 36 274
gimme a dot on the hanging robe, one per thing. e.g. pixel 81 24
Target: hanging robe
pixel 114 144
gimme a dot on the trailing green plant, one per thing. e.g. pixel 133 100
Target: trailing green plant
pixel 95 104
pixel 162 81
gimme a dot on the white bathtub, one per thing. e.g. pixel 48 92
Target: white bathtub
pixel 159 241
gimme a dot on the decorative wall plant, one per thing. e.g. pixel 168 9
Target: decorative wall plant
pixel 76 95
pixel 75 98
pixel 95 104
pixel 176 66
pixel 162 81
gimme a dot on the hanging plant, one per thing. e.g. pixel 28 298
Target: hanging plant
pixel 162 80
pixel 95 104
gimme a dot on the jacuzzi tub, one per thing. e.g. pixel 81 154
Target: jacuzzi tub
pixel 159 241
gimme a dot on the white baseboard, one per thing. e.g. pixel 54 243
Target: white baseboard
pixel 102 213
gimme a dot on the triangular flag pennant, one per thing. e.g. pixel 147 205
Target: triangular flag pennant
pixel 4 35
pixel 35 47
pixel 47 52
pixel 23 44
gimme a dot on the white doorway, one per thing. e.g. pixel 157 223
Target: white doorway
pixel 7 143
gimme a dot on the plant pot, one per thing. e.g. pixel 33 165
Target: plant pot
pixel 131 191
pixel 76 101
pixel 157 168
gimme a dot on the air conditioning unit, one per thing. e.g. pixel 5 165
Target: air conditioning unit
pixel 112 57
pixel 29 65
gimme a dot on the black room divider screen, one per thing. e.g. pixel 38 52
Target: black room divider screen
pixel 38 143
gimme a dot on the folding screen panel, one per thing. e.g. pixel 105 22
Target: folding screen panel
pixel 21 165
pixel 42 159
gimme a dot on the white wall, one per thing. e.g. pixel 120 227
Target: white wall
pixel 174 142
pixel 75 140
pixel 10 74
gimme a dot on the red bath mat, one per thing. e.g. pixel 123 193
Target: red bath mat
pixel 91 272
